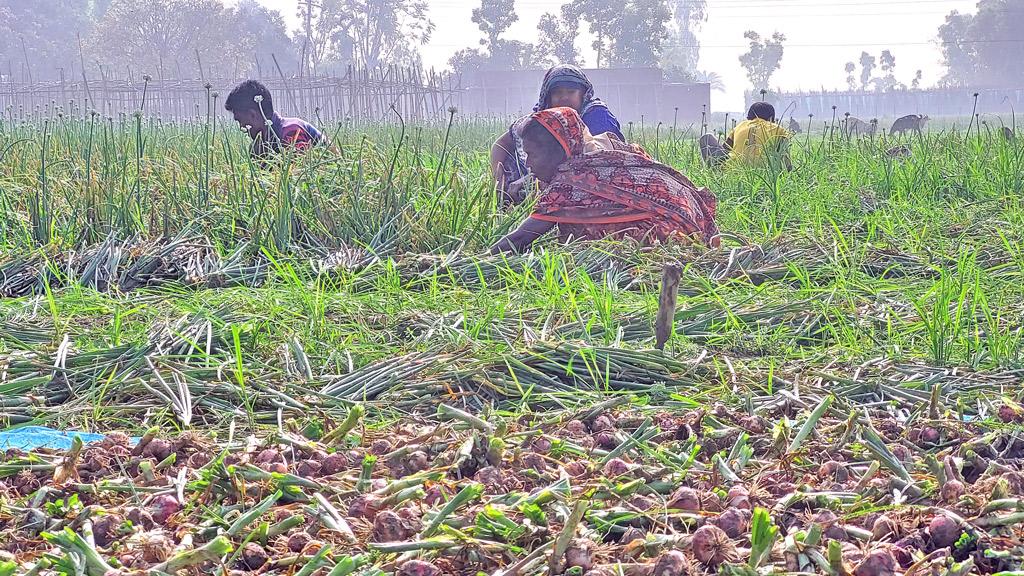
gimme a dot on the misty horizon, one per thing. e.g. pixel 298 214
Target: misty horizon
pixel 840 45
pixel 721 36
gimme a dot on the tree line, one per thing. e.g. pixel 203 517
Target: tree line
pixel 45 39
pixel 48 39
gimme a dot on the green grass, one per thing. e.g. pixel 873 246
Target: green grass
pixel 258 289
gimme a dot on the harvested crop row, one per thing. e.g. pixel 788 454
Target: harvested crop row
pixel 607 490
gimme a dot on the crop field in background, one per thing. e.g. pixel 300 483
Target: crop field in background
pixel 330 376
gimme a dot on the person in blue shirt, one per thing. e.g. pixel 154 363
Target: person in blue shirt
pixel 563 85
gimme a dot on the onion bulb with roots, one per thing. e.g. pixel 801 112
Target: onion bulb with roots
pixel 951 491
pixel 298 541
pixel 364 506
pixel 575 429
pixel 686 499
pixel 580 553
pixel 156 547
pixel 883 527
pixel 253 557
pixel 308 469
pixel 388 526
pixel 712 546
pixel 834 470
pixel 418 568
pixel 943 532
pixel 163 507
pixel 158 449
pixel 671 563
pixel 614 468
pixel 418 461
pixel 602 423
pixel 734 522
pixel 877 563
pixel 333 463
pixel 739 497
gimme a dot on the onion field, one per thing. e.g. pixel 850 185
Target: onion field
pixel 314 368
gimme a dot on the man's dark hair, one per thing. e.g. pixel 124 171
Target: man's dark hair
pixel 534 131
pixel 762 110
pixel 243 97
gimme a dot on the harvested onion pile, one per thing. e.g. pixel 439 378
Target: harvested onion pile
pixel 618 489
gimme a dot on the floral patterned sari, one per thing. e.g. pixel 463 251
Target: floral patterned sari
pixel 616 189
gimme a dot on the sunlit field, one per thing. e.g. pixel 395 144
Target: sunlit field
pixel 330 376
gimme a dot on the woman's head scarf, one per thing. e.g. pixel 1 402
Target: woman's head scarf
pixel 560 75
pixel 567 75
pixel 567 128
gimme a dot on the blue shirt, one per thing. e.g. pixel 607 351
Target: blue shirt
pixel 600 119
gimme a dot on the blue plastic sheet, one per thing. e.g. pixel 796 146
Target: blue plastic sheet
pixel 35 437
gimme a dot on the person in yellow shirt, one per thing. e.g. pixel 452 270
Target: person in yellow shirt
pixel 749 141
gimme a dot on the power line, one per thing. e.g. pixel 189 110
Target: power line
pixel 791 15
pixel 723 3
pixel 854 44
pixel 746 3
pixel 823 45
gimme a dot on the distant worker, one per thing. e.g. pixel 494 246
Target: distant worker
pixel 253 107
pixel 747 143
pixel 563 85
pixel 591 192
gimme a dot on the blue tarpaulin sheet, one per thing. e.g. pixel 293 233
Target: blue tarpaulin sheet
pixel 35 437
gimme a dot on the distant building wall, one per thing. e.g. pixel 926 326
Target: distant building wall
pixel 938 102
pixel 633 95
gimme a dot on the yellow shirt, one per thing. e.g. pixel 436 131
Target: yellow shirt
pixel 750 137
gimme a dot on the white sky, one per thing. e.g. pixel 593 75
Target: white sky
pixel 821 36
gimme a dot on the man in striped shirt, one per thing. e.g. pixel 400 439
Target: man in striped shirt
pixel 253 108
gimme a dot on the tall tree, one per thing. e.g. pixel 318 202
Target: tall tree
pixel 38 38
pixel 763 58
pixel 388 31
pixel 556 43
pixel 323 36
pixel 683 51
pixel 170 34
pixel 850 68
pixel 638 32
pixel 887 63
pixel 626 33
pixel 264 31
pixel 867 68
pixel 600 16
pixel 958 55
pixel 984 49
pixel 367 33
pixel 494 17
pixel 468 61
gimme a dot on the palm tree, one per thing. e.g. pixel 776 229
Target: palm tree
pixel 710 77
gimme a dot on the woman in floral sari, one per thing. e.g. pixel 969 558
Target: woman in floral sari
pixel 563 85
pixel 590 191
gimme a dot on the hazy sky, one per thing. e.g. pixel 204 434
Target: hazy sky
pixel 822 35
